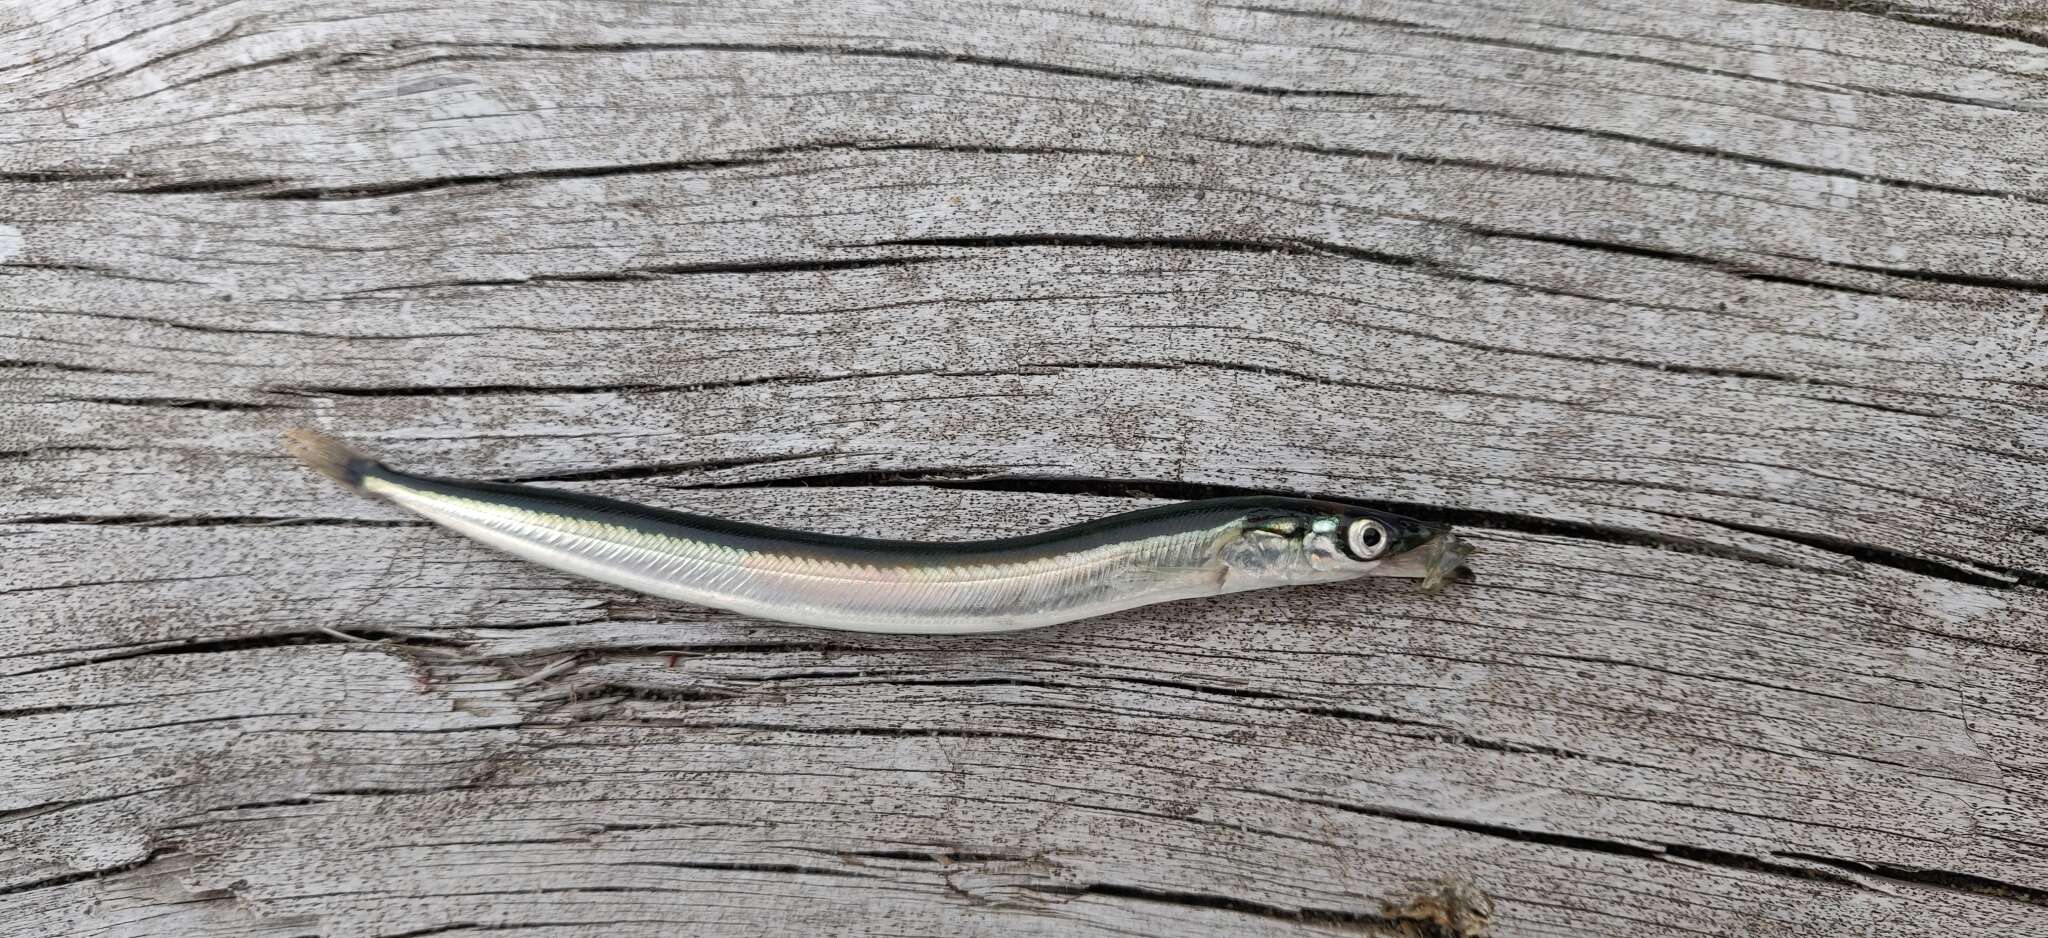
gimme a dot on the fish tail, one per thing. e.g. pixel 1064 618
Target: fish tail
pixel 329 457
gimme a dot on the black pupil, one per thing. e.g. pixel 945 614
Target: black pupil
pixel 1371 537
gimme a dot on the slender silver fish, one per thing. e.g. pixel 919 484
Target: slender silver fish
pixel 1179 551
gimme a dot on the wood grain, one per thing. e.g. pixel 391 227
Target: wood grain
pixel 1720 328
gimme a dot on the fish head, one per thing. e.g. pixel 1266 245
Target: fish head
pixel 1326 542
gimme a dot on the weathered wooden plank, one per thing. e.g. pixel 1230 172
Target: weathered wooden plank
pixel 985 798
pixel 721 793
pixel 1725 461
pixel 1805 85
pixel 1492 710
pixel 1720 328
pixel 1971 353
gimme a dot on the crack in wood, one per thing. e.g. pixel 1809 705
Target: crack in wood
pixel 1774 163
pixel 28 364
pixel 638 274
pixel 63 176
pixel 638 388
pixel 1939 879
pixel 303 55
pixel 383 639
pixel 259 805
pixel 182 403
pixel 1350 919
pixel 1975 573
pixel 89 584
pixel 98 270
pixel 1276 245
pixel 46 710
pixel 1907 14
pixel 1416 159
pixel 663 470
pixel 1730 267
pixel 464 390
pixel 1425 29
pixel 940 57
pixel 234 330
pixel 1762 277
pixel 783 869
pixel 54 807
pixel 793 266
pixel 1942 879
pixel 1288 703
pixel 1936 276
pixel 215 521
pixel 431 184
pixel 205 186
pixel 67 879
pixel 912 146
pixel 877 731
pixel 1635 850
pixel 938 854
pixel 494 926
pixel 1305 246
pixel 627 690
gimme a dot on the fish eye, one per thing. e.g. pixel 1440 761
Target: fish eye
pixel 1367 539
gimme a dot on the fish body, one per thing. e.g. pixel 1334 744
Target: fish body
pixel 1178 551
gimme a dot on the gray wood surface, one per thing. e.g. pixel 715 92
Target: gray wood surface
pixel 1720 327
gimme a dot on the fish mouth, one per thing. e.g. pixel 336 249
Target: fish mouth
pixel 1438 562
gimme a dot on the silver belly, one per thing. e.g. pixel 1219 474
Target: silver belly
pixel 940 597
